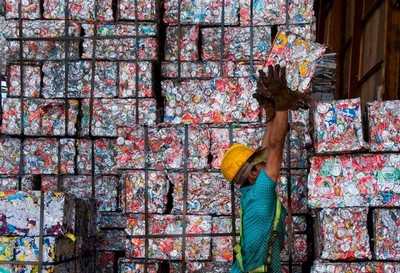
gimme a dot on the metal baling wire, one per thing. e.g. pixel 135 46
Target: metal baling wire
pixel 185 195
pixel 289 179
pixel 137 61
pixel 146 197
pixel 233 232
pixel 146 143
pixel 66 102
pixel 21 157
pixel 41 227
pixel 221 49
pixel 251 40
pixel 179 38
pixel 92 98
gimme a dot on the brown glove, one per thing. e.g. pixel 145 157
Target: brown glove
pixel 267 103
pixel 275 86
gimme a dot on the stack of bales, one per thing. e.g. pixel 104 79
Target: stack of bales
pixel 133 106
pixel 356 191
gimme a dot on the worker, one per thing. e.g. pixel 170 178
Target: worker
pixel 257 172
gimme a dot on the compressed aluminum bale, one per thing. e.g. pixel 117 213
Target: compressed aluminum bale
pixel 338 126
pixel 219 100
pixel 196 248
pixel 104 152
pixel 167 147
pixel 111 240
pixel 209 69
pixel 59 213
pixel 133 191
pixel 201 12
pixel 107 188
pixel 41 156
pixel 130 265
pixel 55 249
pixel 112 220
pixel 85 10
pixel 299 191
pixel 109 114
pixel 31 78
pixel 41 117
pixel 222 248
pixel 203 267
pixel 128 72
pixel 298 55
pixel 105 260
pixel 52 49
pixel 343 234
pixel 10 156
pixel 80 79
pixel 330 267
pixel 207 193
pixel 384 125
pixel 143 10
pixel 7 248
pixel 354 180
pixel 168 224
pixel 144 47
pixel 183 42
pixel 386 234
pixel 236 43
pixel 67 267
pixel 130 147
pixel 30 9
pixel 299 248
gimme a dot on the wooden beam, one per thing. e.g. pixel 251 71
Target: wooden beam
pixel 355 50
pixel 392 53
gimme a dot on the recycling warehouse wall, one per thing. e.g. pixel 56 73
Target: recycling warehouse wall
pixel 116 116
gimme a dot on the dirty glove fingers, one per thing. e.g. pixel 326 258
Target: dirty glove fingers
pixel 270 72
pixel 277 72
pixel 282 74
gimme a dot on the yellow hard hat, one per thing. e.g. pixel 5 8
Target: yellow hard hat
pixel 238 161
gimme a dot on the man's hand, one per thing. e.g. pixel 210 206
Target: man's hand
pixel 274 86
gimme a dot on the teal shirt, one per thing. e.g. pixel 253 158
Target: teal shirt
pixel 258 203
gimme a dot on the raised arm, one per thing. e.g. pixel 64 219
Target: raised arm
pixel 273 93
pixel 276 141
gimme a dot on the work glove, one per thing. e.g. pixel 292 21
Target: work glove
pixel 267 103
pixel 274 86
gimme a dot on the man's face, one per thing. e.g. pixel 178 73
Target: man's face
pixel 253 174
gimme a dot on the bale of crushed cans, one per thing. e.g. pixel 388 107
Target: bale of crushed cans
pixel 53 117
pixel 384 125
pixel 298 55
pixel 203 267
pixel 102 117
pixel 219 100
pixel 343 234
pixel 207 193
pixel 236 43
pixel 135 183
pixel 386 234
pixel 354 180
pixel 297 179
pixel 141 10
pixel 202 12
pixel 52 48
pixel 365 267
pixel 58 208
pixel 120 41
pixel 54 227
pixel 129 265
pixel 338 126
